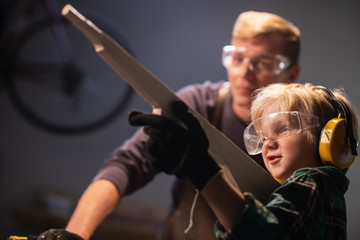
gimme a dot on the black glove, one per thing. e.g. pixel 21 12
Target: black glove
pixel 175 149
pixel 58 234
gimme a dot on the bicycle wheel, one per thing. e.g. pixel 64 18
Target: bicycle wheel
pixel 64 98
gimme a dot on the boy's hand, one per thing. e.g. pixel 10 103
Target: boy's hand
pixel 176 149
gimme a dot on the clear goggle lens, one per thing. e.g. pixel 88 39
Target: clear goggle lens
pixel 233 56
pixel 275 126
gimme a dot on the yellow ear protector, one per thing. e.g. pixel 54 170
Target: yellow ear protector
pixel 338 142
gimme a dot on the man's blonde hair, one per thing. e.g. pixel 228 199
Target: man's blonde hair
pixel 252 24
pixel 304 98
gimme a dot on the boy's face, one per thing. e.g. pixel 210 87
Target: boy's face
pixel 244 81
pixel 286 155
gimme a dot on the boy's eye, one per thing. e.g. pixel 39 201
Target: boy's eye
pixel 262 137
pixel 284 131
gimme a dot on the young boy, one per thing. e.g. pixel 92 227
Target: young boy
pixel 292 127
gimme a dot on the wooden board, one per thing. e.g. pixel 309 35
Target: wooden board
pixel 241 170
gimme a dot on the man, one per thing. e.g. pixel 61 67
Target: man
pixel 265 49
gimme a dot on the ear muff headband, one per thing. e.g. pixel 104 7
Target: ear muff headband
pixel 337 145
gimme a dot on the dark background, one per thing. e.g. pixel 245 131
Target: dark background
pixel 180 42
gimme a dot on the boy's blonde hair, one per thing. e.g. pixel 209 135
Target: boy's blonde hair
pixel 252 24
pixel 304 98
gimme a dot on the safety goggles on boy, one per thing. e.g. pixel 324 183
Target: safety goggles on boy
pixel 275 126
pixel 233 56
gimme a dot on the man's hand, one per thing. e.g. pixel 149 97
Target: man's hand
pixel 176 149
pixel 58 234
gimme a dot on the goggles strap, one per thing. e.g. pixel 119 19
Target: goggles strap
pixel 192 212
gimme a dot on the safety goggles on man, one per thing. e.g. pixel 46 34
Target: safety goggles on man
pixel 233 56
pixel 275 126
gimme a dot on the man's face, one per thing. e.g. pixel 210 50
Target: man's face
pixel 245 80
